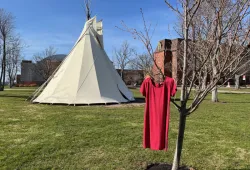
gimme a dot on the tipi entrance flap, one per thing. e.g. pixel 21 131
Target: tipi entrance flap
pixel 105 76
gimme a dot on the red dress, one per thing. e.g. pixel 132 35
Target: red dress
pixel 157 110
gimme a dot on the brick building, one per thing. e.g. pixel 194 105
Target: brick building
pixel 29 74
pixel 167 57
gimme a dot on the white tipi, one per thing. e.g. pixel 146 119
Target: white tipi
pixel 86 76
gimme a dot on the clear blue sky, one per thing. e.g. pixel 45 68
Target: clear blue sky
pixel 58 23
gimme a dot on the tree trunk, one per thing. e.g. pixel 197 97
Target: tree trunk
pixel 204 83
pixel 215 94
pixel 1 77
pixel 11 82
pixel 237 81
pixel 122 74
pixel 182 121
pixel 204 80
pixel 179 142
pixel 4 64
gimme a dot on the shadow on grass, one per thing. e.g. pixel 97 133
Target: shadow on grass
pixel 178 99
pixel 139 100
pixel 14 96
pixel 226 102
pixel 165 166
pixel 232 102
pixel 234 92
pixel 237 169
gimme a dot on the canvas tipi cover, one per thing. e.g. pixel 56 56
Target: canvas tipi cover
pixel 86 76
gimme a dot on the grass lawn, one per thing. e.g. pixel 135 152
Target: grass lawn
pixel 36 136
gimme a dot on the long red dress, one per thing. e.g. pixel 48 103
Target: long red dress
pixel 157 112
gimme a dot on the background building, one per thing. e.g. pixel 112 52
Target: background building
pixel 31 75
pixel 167 56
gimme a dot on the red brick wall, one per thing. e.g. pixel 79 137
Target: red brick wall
pixel 159 61
pixel 167 64
pixel 167 58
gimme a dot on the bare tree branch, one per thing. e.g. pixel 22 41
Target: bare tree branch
pixel 44 62
pixel 123 56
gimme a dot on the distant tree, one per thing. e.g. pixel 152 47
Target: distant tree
pixel 142 62
pixel 13 60
pixel 6 32
pixel 246 67
pixel 123 56
pixel 203 26
pixel 242 71
pixel 44 62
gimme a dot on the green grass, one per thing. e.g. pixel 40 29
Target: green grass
pixel 36 136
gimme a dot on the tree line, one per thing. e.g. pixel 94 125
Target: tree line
pixel 127 57
pixel 10 49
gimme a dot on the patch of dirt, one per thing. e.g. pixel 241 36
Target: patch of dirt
pixel 165 166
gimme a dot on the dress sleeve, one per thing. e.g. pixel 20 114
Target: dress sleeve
pixel 143 87
pixel 174 88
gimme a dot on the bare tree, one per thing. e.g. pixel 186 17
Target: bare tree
pixel 145 37
pixel 142 62
pixel 6 30
pixel 45 62
pixel 212 53
pixel 13 60
pixel 123 56
pixel 207 24
pixel 246 67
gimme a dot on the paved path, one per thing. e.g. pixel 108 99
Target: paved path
pixel 234 91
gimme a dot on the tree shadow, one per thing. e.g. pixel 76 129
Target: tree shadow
pixel 225 102
pixel 178 99
pixel 165 166
pixel 139 100
pixel 235 93
pixel 237 169
pixel 14 96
